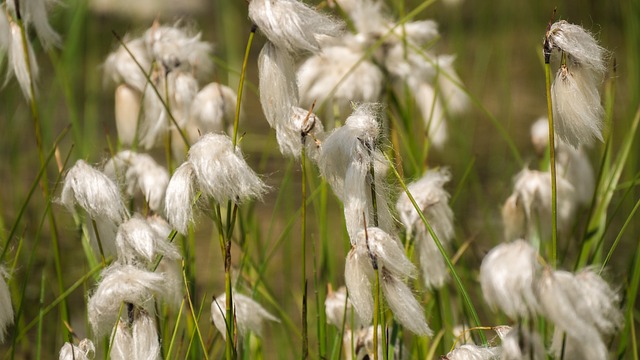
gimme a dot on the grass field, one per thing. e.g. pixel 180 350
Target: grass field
pixel 292 230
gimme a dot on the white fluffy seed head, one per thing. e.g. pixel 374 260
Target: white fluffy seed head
pixel 18 63
pixel 94 192
pixel 222 172
pixel 508 275
pixel 579 44
pixel 301 126
pixel 450 86
pixel 176 47
pixel 122 344
pixel 121 66
pixel 121 285
pixel 357 274
pixel 429 194
pixel 85 350
pixel 34 12
pixel 352 143
pixel 526 212
pixel 520 343
pixel 180 197
pixel 474 352
pixel 139 172
pixel 577 111
pixel 213 109
pixel 292 25
pixel 127 112
pixel 406 309
pixel 138 242
pixel 249 315
pixel 339 309
pixel 278 88
pixel 145 337
pixel 433 113
pixel 6 309
pixel 387 251
pixel 338 75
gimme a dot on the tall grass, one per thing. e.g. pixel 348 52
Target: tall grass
pixel 287 249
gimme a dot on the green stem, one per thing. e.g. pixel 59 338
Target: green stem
pixel 243 74
pixel 552 160
pixel 436 240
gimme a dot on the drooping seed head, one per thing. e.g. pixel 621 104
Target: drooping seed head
pixel 250 316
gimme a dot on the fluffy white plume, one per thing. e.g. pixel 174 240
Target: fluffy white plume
pixel 121 66
pixel 292 25
pixel 429 194
pixel 335 305
pixel 406 309
pixel 508 275
pixel 180 197
pixel 94 192
pixel 127 113
pixel 338 75
pixel 222 172
pixel 175 47
pixel 85 350
pixel 357 274
pixel 6 309
pixel 526 211
pixel 577 111
pixel 520 343
pixel 278 89
pixel 250 315
pixel 301 125
pixel 145 337
pixel 121 285
pixel 567 302
pixel 578 44
pixel 122 344
pixel 474 352
pixel 139 172
pixel 213 109
pixel 18 63
pixel 137 241
pixel 34 12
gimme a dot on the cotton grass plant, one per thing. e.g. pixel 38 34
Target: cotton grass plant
pixel 366 184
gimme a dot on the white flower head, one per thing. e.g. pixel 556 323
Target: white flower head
pixel 176 47
pixel 145 337
pixel 6 309
pixel 123 284
pixel 508 275
pixel 180 197
pixel 137 241
pixel 577 110
pixel 278 88
pixel 351 143
pixel 292 25
pixel 429 194
pixel 526 211
pixel 127 112
pixel 94 192
pixel 18 63
pixel 406 309
pixel 339 310
pixel 357 274
pixel 34 12
pixel 302 126
pixel 222 172
pixel 338 75
pixel 121 66
pixel 520 343
pixel 474 352
pixel 139 172
pixel 578 44
pixel 213 109
pixel 451 91
pixel 122 344
pixel 250 315
pixel 85 350
pixel 578 306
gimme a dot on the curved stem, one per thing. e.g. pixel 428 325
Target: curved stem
pixel 552 160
